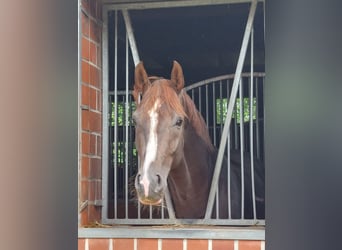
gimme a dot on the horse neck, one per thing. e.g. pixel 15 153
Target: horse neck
pixel 190 176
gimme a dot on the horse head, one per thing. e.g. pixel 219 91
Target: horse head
pixel 159 126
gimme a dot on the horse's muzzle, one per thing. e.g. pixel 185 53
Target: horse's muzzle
pixel 149 190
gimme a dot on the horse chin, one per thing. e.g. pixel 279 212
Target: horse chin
pixel 147 201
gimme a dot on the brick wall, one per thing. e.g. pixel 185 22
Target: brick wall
pixel 169 244
pixel 91 110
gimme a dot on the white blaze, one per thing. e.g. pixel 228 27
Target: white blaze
pixel 152 145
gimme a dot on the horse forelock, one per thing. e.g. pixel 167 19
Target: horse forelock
pixel 162 91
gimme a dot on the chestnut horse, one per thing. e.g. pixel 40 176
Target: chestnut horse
pixel 175 150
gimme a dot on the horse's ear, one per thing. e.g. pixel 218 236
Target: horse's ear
pixel 141 82
pixel 177 76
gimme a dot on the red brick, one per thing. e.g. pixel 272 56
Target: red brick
pixel 197 244
pixel 249 245
pixel 91 190
pixel 99 12
pixel 85 4
pixel 81 244
pixel 95 122
pixel 85 120
pixel 92 52
pixel 95 168
pixel 92 8
pixel 98 244
pixel 85 143
pixel 85 48
pixel 99 56
pixel 99 145
pixel 147 244
pixel 98 190
pixel 92 145
pixel 95 31
pixel 123 244
pixel 93 98
pixel 94 76
pixel 85 95
pixel 84 217
pixel 172 244
pixel 84 190
pixel 223 245
pixel 85 25
pixel 85 72
pixel 85 167
pixel 94 213
pixel 99 101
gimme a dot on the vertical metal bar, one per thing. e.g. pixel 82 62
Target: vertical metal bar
pixel 79 121
pixel 214 115
pixel 228 162
pixel 206 105
pixel 251 123
pixel 221 107
pixel 257 128
pixel 200 99
pixel 169 205
pixel 105 137
pixel 126 130
pixel 242 118
pixel 192 95
pixel 116 113
pixel 230 108
pixel 131 39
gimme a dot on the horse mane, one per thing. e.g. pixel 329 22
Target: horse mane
pixel 196 119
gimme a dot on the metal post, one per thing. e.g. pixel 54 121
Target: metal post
pixel 105 142
pixel 251 124
pixel 230 108
pixel 116 113
pixel 131 38
pixel 126 130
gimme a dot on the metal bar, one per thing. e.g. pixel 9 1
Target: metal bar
pixel 243 233
pixel 105 141
pixel 116 113
pixel 126 130
pixel 79 119
pixel 228 164
pixel 221 107
pixel 206 106
pixel 218 222
pixel 113 4
pixel 251 124
pixel 219 78
pixel 169 205
pixel 214 115
pixel 242 166
pixel 257 130
pixel 200 100
pixel 131 38
pixel 230 108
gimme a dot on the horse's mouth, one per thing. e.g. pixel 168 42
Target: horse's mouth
pixel 147 201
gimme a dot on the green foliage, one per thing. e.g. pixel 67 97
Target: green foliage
pixel 121 113
pixel 118 115
pixel 222 108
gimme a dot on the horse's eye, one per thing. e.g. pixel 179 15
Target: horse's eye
pixel 179 122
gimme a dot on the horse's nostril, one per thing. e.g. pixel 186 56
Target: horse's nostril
pixel 139 178
pixel 158 179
